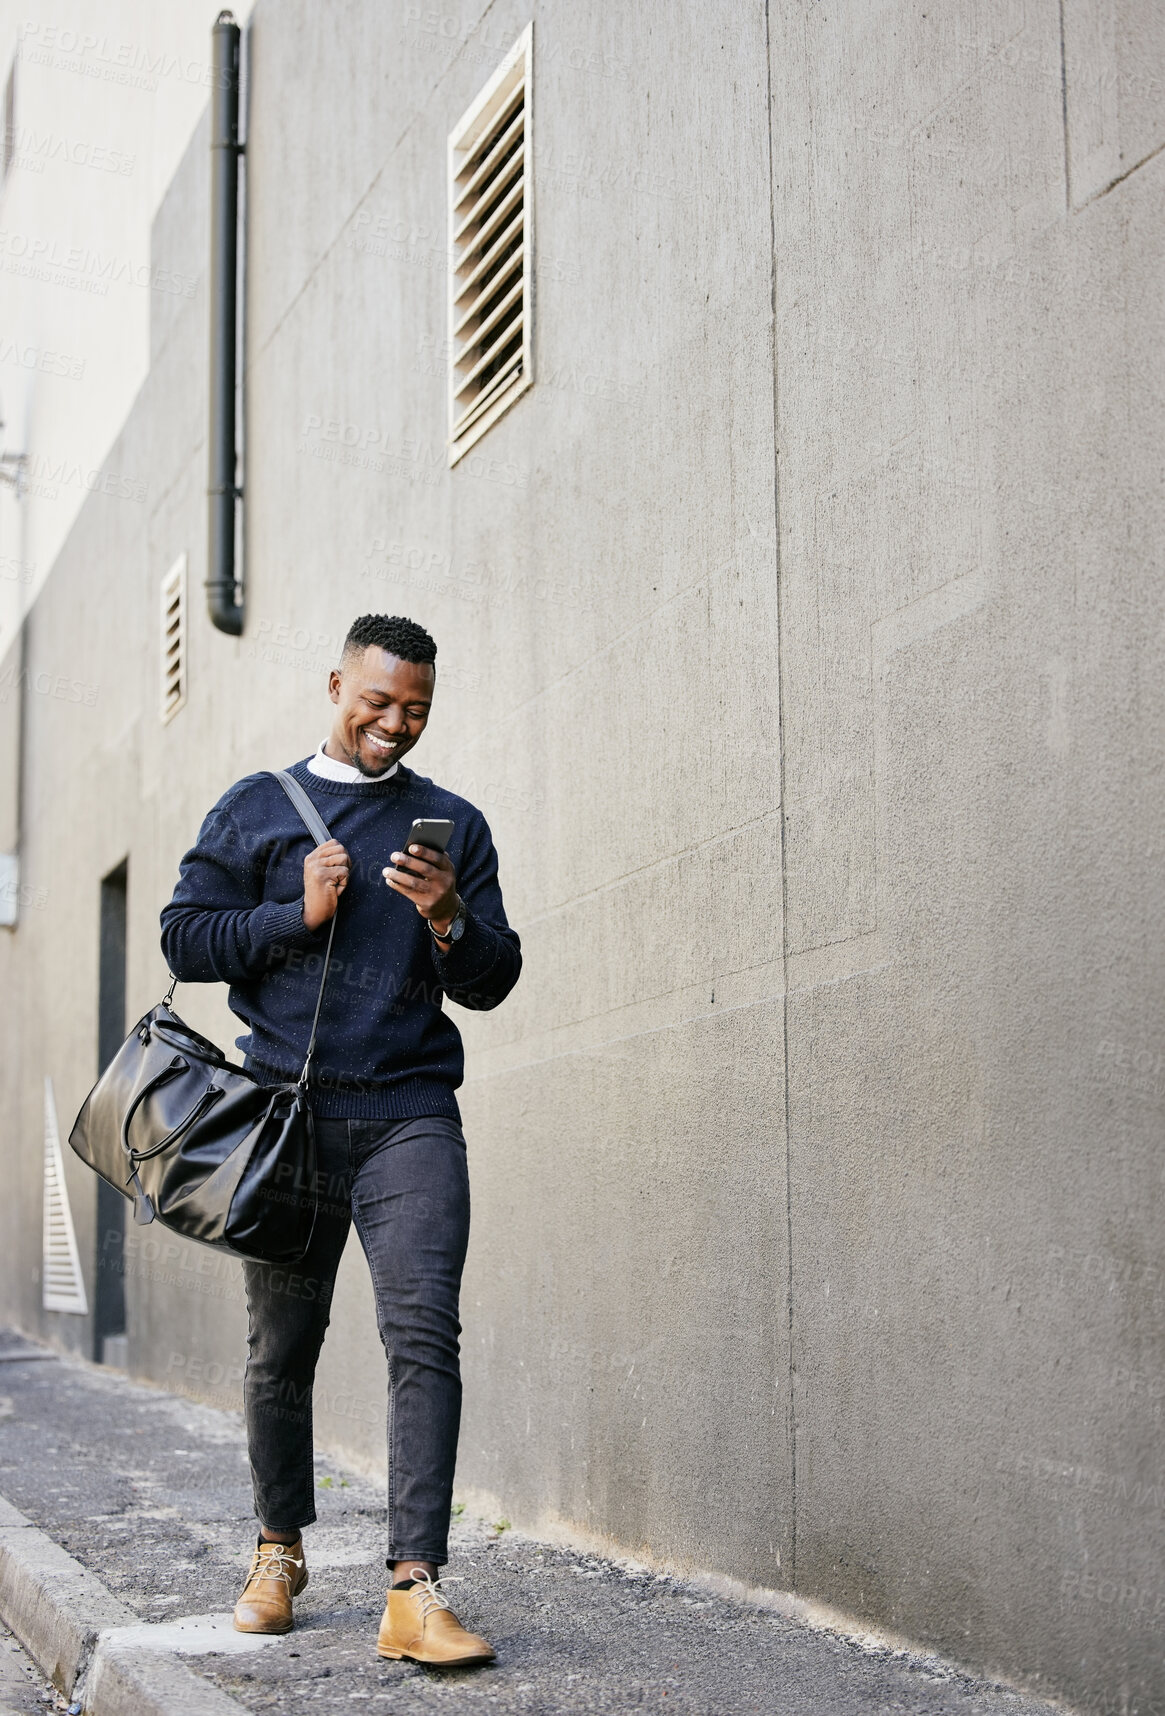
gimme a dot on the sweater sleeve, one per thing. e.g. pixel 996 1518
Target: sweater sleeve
pixel 217 926
pixel 481 968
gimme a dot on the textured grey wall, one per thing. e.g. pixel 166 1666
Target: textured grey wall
pixel 816 1169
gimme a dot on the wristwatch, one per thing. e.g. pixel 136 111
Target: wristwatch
pixel 456 929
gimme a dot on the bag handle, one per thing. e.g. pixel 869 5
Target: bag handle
pixel 176 1066
pixel 143 1213
pixel 318 829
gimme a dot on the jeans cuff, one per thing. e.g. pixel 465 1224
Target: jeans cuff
pixel 265 1524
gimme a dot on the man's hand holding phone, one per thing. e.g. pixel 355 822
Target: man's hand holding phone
pixel 425 875
pixel 325 876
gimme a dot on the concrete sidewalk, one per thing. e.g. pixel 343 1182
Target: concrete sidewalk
pixel 149 1495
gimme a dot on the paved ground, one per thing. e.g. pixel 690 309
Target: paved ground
pixel 151 1493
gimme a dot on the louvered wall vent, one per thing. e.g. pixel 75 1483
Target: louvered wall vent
pixel 174 639
pixel 490 345
pixel 62 1284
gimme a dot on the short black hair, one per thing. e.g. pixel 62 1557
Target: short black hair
pixel 392 632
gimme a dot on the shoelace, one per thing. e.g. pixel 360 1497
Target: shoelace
pixel 431 1598
pixel 274 1561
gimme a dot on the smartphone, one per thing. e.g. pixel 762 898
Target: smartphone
pixel 434 832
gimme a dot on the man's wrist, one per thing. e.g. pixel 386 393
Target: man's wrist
pixel 440 927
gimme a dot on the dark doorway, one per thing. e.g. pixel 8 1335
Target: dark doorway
pixel 109 1308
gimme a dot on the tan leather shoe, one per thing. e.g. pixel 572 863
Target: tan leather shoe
pixel 278 1573
pixel 419 1623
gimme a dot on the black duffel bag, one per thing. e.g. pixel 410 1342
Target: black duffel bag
pixel 199 1144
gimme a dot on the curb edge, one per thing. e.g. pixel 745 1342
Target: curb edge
pixel 67 1620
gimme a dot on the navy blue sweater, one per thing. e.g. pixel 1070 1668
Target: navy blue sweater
pixel 385 1049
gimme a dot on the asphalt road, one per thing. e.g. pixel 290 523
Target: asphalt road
pixel 151 1492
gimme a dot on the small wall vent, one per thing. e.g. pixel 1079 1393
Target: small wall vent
pixel 174 639
pixel 62 1284
pixel 490 238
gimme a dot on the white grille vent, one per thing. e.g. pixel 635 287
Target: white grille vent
pixel 174 639
pixel 490 298
pixel 62 1284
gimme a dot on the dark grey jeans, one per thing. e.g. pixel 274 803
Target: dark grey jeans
pixel 406 1185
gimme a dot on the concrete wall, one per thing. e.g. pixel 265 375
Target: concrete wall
pixel 817 1203
pixel 970 385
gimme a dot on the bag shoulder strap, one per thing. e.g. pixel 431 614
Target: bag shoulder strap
pixel 318 829
pixel 311 816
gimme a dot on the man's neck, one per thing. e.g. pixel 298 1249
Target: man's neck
pixel 326 762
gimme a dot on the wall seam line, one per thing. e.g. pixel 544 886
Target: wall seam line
pixel 791 1418
pixel 1064 115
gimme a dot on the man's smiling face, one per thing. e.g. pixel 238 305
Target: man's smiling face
pixel 382 705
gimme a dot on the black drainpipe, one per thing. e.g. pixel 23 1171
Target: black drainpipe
pixel 225 611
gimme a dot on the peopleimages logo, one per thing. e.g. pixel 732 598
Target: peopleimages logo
pixel 41 256
pixel 34 148
pixel 93 55
pixel 39 358
pixel 58 685
pixel 46 476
